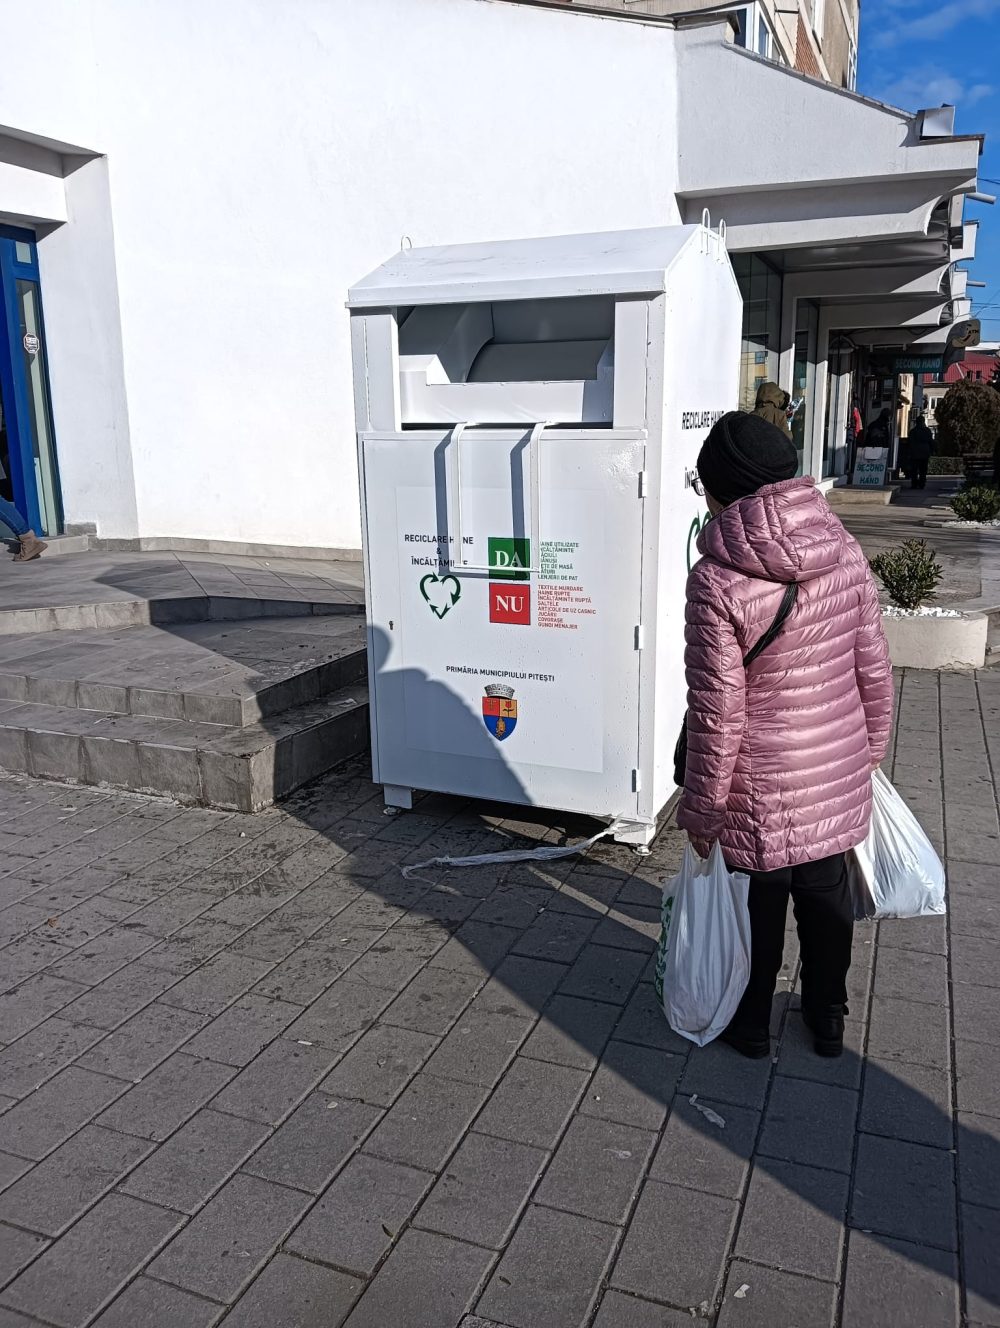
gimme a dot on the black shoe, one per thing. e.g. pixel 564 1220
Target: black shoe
pixel 754 1043
pixel 827 1028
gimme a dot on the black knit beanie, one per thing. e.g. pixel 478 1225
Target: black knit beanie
pixel 741 454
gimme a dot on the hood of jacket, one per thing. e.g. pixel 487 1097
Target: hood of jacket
pixel 783 532
pixel 770 394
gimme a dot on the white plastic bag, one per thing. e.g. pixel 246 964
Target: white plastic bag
pixel 896 867
pixel 860 877
pixel 704 964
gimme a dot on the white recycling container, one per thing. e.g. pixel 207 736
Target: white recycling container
pixel 529 414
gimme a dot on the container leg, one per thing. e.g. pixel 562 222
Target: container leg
pixel 638 833
pixel 397 796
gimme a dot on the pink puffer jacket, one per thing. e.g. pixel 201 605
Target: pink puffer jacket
pixel 780 754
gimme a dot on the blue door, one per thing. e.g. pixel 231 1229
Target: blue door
pixel 27 443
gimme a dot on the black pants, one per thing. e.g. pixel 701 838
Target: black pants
pixel 824 917
pixel 918 470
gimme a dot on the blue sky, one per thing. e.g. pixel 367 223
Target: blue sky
pixel 917 53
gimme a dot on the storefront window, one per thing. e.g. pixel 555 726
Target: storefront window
pixel 837 432
pixel 760 286
pixel 804 381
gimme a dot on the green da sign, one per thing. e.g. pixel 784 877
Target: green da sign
pixel 508 558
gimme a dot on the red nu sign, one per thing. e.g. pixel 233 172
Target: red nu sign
pixel 510 603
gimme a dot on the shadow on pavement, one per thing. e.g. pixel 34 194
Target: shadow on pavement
pixel 572 941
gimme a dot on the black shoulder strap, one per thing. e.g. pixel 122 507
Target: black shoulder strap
pixel 787 603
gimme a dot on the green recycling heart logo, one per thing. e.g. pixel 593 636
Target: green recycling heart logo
pixel 442 593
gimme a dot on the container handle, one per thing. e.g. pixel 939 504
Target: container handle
pixel 534 490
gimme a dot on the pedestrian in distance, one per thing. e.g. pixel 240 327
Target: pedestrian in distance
pixel 772 405
pixel 879 432
pixel 854 431
pixel 29 545
pixel 920 449
pixel 781 750
pixel 855 437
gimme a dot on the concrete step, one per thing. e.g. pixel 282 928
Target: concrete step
pixel 232 714
pixel 63 544
pixel 236 768
pixel 165 611
pixel 231 672
pixel 56 545
pixel 847 496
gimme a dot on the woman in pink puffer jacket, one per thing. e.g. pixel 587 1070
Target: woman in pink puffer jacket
pixel 780 753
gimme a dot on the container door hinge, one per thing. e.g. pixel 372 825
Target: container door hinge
pixel 640 636
pixel 636 781
pixel 643 484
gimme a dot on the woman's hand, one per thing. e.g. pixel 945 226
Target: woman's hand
pixel 701 846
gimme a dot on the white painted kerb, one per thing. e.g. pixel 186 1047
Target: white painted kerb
pixel 937 643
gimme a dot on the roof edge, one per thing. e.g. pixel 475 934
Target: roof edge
pixel 873 102
pixel 595 11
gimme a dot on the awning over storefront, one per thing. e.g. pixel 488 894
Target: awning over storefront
pixel 857 205
pixel 792 162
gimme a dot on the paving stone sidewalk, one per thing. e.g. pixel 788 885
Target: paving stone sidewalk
pixel 970 559
pixel 251 1075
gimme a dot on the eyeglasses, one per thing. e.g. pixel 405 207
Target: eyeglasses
pixel 697 485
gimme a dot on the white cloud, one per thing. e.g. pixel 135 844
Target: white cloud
pixel 903 26
pixel 978 92
pixel 931 86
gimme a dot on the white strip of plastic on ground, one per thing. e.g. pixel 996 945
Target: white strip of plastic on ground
pixel 544 853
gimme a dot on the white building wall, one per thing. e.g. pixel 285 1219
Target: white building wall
pixel 260 158
pixel 87 382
